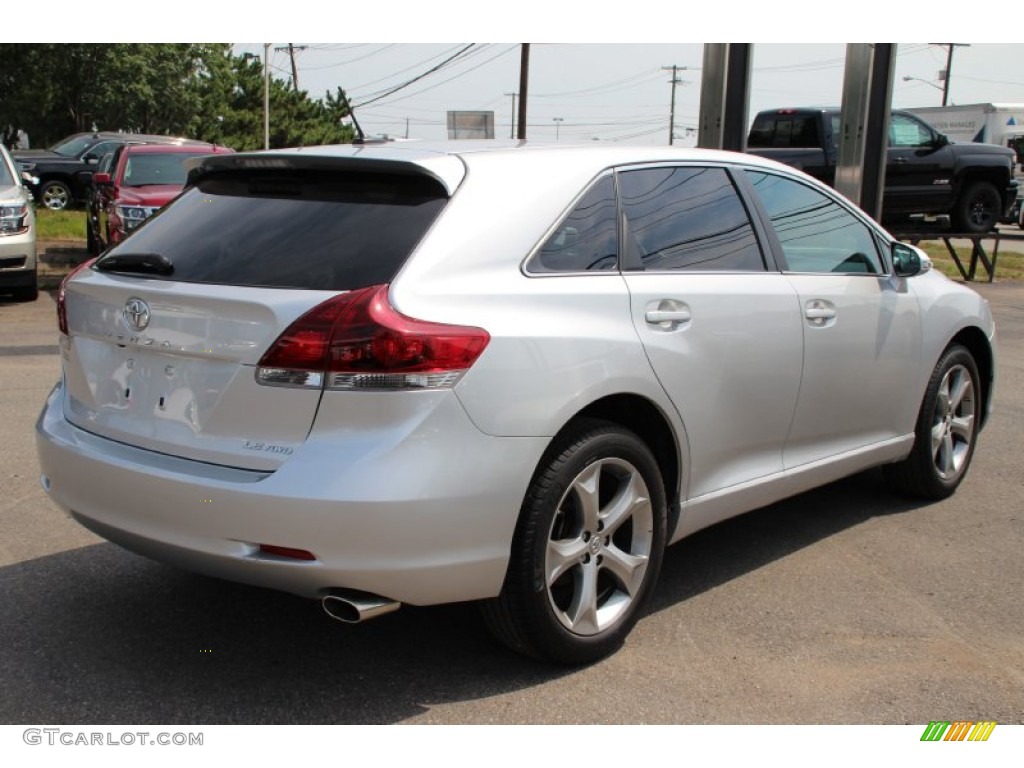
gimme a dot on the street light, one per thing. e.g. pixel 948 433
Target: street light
pixel 922 80
pixel 558 125
pixel 908 78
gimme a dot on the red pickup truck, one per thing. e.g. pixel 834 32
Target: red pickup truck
pixel 142 178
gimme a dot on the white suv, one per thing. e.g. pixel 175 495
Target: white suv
pixel 419 374
pixel 17 233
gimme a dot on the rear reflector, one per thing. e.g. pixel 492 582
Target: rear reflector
pixel 294 554
pixel 358 341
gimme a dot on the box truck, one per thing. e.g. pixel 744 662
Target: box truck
pixel 1001 124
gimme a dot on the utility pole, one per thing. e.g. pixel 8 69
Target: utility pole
pixel 512 126
pixel 949 67
pixel 266 95
pixel 524 76
pixel 558 125
pixel 672 112
pixel 291 54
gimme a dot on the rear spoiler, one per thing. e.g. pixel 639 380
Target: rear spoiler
pixel 447 170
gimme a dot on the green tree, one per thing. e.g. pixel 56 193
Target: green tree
pixel 199 90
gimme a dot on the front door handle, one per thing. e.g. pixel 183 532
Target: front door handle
pixel 820 312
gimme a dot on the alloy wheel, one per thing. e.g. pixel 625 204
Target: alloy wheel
pixel 599 546
pixel 953 422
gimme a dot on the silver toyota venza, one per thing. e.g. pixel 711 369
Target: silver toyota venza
pixel 409 373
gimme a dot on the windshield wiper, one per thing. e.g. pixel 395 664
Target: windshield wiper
pixel 137 263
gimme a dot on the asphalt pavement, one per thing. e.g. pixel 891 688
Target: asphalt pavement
pixel 843 605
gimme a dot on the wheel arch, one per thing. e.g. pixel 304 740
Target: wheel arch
pixel 975 341
pixel 638 414
pixel 997 176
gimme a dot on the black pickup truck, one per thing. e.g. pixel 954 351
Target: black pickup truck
pixel 925 174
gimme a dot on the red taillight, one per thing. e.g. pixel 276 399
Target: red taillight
pixel 62 312
pixel 358 341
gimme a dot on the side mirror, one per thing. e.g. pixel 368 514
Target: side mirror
pixel 28 178
pixel 941 140
pixel 101 179
pixel 908 261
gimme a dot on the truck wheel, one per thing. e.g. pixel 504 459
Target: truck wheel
pixel 55 195
pixel 978 209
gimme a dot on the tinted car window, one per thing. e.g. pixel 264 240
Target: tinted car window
pixel 688 218
pixel 817 234
pixel 144 169
pixel 72 147
pixel 587 240
pixel 101 149
pixel 784 131
pixel 326 231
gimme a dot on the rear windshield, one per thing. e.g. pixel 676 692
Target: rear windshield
pixel 314 230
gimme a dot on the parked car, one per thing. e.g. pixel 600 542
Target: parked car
pixel 133 183
pixel 64 170
pixel 421 374
pixel 17 233
pixel 925 173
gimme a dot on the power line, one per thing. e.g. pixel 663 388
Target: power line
pixel 419 77
pixel 646 75
pixel 383 48
pixel 461 74
pixel 460 56
pixel 417 65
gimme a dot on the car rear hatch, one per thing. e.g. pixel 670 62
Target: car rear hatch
pixel 164 332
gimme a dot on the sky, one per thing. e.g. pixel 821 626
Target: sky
pixel 597 70
pixel 579 91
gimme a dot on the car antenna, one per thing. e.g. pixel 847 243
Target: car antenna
pixel 361 138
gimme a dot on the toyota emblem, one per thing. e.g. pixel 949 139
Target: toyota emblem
pixel 136 314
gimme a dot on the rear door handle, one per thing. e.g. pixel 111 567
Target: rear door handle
pixel 667 314
pixel 656 316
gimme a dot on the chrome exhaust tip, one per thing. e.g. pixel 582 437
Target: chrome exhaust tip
pixel 352 606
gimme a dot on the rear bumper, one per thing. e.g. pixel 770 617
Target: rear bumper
pixel 429 520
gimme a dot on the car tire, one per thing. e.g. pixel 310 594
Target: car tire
pixel 587 548
pixel 978 210
pixel 55 195
pixel 946 430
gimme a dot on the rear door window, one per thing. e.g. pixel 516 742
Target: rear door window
pixel 784 131
pixel 688 218
pixel 312 230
